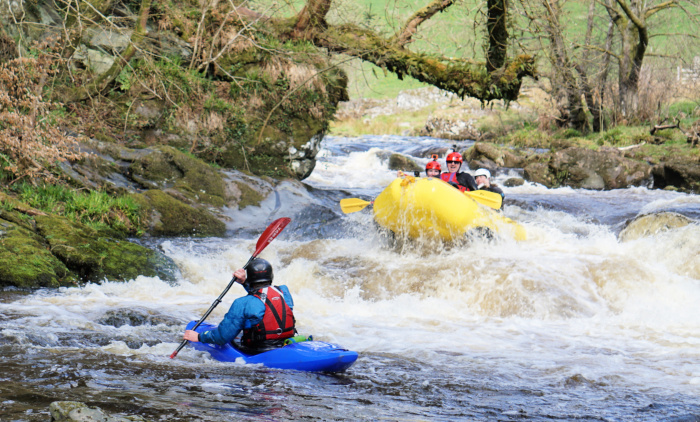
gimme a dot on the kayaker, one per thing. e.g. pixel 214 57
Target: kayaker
pixel 265 315
pixel 483 182
pixel 462 181
pixel 433 168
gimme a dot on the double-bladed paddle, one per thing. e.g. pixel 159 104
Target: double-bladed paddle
pixel 484 197
pixel 266 237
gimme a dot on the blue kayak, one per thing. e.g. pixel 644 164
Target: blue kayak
pixel 303 356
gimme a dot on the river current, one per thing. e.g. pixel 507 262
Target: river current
pixel 571 324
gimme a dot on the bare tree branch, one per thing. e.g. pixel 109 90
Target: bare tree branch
pixel 411 26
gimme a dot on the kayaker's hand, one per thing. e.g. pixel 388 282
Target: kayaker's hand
pixel 240 275
pixel 191 335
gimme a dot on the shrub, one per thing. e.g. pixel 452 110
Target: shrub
pixel 31 145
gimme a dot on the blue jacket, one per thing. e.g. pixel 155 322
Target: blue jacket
pixel 245 312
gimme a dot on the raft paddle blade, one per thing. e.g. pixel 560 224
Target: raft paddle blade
pixel 350 205
pixel 488 198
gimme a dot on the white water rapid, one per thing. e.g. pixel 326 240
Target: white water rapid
pixel 570 324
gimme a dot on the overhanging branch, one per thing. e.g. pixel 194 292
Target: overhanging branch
pixel 462 77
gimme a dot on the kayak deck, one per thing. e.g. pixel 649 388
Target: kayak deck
pixel 316 356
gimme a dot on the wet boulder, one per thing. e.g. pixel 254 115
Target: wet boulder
pixel 651 224
pixel 403 163
pixel 73 411
pixel 539 172
pixel 513 182
pixel 490 156
pixel 134 317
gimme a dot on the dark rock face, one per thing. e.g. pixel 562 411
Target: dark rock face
pixel 605 169
pixel 587 169
pixel 679 173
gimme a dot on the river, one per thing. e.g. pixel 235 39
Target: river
pixel 571 324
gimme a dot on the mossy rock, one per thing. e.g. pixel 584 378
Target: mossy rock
pixel 166 167
pixel 403 163
pixel 94 258
pixel 248 195
pixel 27 262
pixel 172 217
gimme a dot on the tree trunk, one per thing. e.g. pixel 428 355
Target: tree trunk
pixel 311 17
pixel 498 34
pixel 634 38
pixel 574 114
pixel 630 68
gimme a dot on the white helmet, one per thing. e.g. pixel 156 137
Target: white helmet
pixel 483 172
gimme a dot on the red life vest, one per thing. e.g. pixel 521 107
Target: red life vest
pixel 452 178
pixel 277 323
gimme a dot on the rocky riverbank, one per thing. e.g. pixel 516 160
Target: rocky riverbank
pixel 507 138
pixel 179 195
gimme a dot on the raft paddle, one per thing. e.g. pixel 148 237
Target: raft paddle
pixel 350 205
pixel 485 197
pixel 266 237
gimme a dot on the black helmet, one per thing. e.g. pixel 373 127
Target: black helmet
pixel 259 273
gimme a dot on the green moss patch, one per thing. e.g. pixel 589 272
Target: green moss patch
pixel 171 168
pixel 171 217
pixel 26 261
pixel 92 257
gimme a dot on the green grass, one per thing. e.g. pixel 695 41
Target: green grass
pixel 95 209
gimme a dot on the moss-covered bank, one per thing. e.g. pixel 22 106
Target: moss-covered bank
pixel 45 250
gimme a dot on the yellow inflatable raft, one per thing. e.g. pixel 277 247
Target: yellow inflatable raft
pixel 429 207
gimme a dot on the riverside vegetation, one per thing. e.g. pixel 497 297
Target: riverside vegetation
pixel 150 123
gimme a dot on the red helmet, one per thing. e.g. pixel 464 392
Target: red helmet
pixel 454 156
pixel 433 165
